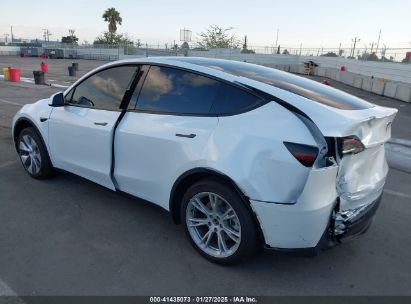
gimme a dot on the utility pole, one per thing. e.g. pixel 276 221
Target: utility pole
pixel 378 43
pixel 276 40
pixel 46 35
pixel 372 47
pixel 355 40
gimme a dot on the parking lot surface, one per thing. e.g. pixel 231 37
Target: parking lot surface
pixel 69 236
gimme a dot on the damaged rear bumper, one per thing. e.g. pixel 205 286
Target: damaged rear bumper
pixel 348 224
pixel 343 226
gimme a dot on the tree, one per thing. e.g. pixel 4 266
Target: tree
pixel 217 37
pixel 112 17
pixel 69 39
pixel 286 52
pixel 329 54
pixel 113 39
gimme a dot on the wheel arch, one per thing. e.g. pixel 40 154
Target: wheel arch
pixel 21 124
pixel 194 175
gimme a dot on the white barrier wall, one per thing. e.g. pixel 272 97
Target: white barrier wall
pixel 392 71
pixel 9 50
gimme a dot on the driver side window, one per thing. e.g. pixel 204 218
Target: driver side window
pixel 105 89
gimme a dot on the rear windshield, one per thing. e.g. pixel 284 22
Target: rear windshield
pixel 298 85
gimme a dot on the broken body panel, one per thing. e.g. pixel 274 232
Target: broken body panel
pixel 359 178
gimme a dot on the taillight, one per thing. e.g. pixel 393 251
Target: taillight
pixel 351 145
pixel 305 154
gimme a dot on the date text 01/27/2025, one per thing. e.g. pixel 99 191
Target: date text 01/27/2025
pixel 204 299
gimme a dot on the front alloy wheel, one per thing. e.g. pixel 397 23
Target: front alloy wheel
pixel 30 154
pixel 33 154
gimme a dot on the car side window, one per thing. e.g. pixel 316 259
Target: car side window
pixel 105 89
pixel 232 100
pixel 172 90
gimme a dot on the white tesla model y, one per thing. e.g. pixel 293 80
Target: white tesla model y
pixel 243 156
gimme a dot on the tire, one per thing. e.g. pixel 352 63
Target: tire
pixel 236 228
pixel 33 154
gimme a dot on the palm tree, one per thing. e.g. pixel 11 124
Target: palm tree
pixel 112 17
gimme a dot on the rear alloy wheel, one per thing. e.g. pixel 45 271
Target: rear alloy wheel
pixel 33 154
pixel 218 224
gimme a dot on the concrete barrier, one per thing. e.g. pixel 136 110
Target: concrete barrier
pixel 319 71
pixel 294 68
pixel 403 92
pixel 338 76
pixel 378 86
pixel 358 82
pixel 390 89
pixel 367 84
pixel 331 73
pixel 301 69
pixel 347 78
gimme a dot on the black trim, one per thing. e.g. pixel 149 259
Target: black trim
pixel 275 99
pixel 130 91
pixel 124 104
pixel 186 135
pixel 43 119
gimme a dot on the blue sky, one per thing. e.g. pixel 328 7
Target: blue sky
pixel 313 23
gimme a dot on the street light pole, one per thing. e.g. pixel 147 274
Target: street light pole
pixel 355 40
pixel 378 43
pixel 276 40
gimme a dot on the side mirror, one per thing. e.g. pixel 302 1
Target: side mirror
pixel 57 100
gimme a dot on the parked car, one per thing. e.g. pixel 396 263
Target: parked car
pixel 244 156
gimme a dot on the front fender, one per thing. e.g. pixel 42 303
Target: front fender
pixel 36 114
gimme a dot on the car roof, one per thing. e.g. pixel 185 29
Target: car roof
pixel 263 77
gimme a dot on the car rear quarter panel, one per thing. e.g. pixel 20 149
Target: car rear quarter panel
pixel 249 149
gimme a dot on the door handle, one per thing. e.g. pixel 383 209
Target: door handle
pixel 186 135
pixel 101 124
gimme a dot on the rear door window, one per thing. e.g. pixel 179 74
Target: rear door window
pixel 170 90
pixel 232 100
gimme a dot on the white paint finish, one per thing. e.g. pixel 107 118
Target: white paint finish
pixel 149 157
pixel 310 215
pixel 256 158
pixel 33 112
pixel 79 146
pixel 362 177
